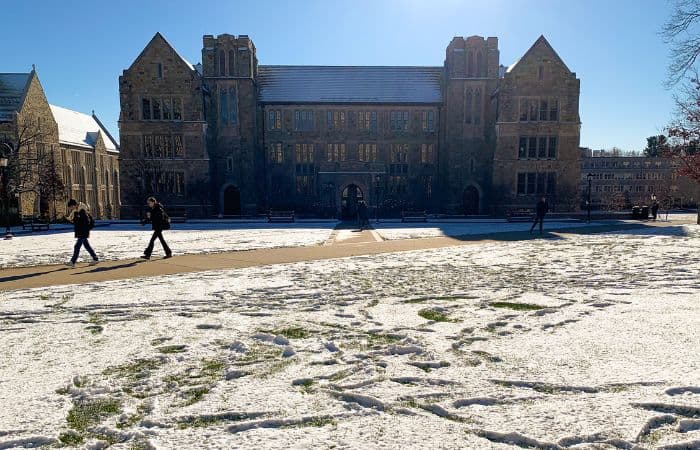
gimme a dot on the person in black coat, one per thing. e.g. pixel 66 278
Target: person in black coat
pixel 541 210
pixel 362 215
pixel 82 224
pixel 159 221
pixel 654 210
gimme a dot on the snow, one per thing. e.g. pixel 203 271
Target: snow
pixel 335 353
pixel 80 129
pixel 127 241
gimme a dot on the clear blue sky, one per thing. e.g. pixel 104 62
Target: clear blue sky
pixel 80 47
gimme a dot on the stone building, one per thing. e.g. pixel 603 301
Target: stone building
pixel 56 153
pixel 468 137
pixel 619 182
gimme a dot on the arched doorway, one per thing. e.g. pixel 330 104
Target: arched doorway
pixel 232 201
pixel 470 201
pixel 350 196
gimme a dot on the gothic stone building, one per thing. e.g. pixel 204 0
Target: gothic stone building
pixel 56 153
pixel 229 136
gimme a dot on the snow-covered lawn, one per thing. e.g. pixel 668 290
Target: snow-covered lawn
pixel 585 341
pixel 129 241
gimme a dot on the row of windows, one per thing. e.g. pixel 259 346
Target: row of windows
pixel 539 109
pixel 168 182
pixel 602 164
pixel 304 153
pixel 540 183
pixel 473 68
pixel 396 184
pixel 228 106
pixel 337 120
pixel 628 176
pixel 163 146
pixel 472 106
pixel 537 147
pixel 621 188
pixel 161 108
pixel 244 65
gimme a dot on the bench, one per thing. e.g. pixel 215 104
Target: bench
pixel 34 223
pixel 280 216
pixel 414 216
pixel 177 215
pixel 520 215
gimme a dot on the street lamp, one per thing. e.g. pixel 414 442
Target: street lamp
pixel 588 202
pixel 377 186
pixel 4 162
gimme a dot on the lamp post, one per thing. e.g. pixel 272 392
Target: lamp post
pixel 377 186
pixel 588 202
pixel 4 162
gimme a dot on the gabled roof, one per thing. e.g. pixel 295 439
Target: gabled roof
pixel 13 87
pixel 160 37
pixel 81 130
pixel 349 84
pixel 539 42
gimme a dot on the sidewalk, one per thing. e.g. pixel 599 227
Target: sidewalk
pixel 366 242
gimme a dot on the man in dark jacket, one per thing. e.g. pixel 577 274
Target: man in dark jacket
pixel 541 210
pixel 82 224
pixel 654 210
pixel 362 215
pixel 159 221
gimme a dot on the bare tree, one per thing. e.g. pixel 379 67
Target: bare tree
pixel 146 172
pixel 681 32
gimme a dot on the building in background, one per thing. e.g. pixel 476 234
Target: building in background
pixel 56 153
pixel 229 136
pixel 619 182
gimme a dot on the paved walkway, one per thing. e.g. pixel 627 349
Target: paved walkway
pixel 344 242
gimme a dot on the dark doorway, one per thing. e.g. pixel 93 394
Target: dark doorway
pixel 232 201
pixel 351 195
pixel 470 200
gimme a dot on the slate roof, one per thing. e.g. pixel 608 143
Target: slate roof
pixel 78 129
pixel 12 87
pixel 349 84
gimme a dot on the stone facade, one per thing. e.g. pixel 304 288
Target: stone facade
pixel 85 162
pixel 441 139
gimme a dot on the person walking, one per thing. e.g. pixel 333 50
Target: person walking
pixel 654 210
pixel 82 224
pixel 541 210
pixel 362 215
pixel 159 221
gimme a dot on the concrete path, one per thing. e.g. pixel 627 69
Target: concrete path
pixel 343 243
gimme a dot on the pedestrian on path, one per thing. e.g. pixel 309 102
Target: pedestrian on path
pixel 654 210
pixel 159 221
pixel 82 224
pixel 541 210
pixel 362 215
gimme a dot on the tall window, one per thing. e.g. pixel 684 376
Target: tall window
pixel 223 106
pixel 397 185
pixel 427 153
pixel 537 147
pixel 335 152
pixel 428 120
pixel 399 153
pixel 470 64
pixel 167 109
pixel 539 109
pixel 159 71
pixel 303 120
pixel 177 108
pixel 161 108
pixel 477 107
pixel 399 120
pixel 335 120
pixel 146 108
pixel 427 181
pixel 540 183
pixel 156 108
pixel 231 62
pixel 479 64
pixel 367 121
pixel 367 152
pixel 222 63
pixel 468 106
pixel 163 146
pixel 304 153
pixel 233 106
pixel 275 152
pixel 274 120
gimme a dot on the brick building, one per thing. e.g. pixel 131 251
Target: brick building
pixel 619 182
pixel 56 153
pixel 229 136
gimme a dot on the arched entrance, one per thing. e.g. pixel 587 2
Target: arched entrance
pixel 232 201
pixel 349 198
pixel 470 201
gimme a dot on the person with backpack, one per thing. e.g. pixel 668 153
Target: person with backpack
pixel 654 210
pixel 362 215
pixel 82 224
pixel 159 221
pixel 541 210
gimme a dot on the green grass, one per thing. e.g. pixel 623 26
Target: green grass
pixel 71 438
pixel 434 315
pixel 517 306
pixel 194 395
pixel 291 332
pixel 85 414
pixel 170 349
pixel 136 370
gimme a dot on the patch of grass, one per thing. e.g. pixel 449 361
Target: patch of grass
pixel 292 333
pixel 137 370
pixel 517 306
pixel 487 356
pixel 381 338
pixel 213 367
pixel 95 329
pixel 158 341
pixel 129 421
pixel 373 303
pixel 170 349
pixel 194 395
pixel 209 421
pixel 71 438
pixel 317 422
pixel 85 414
pixel 434 315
